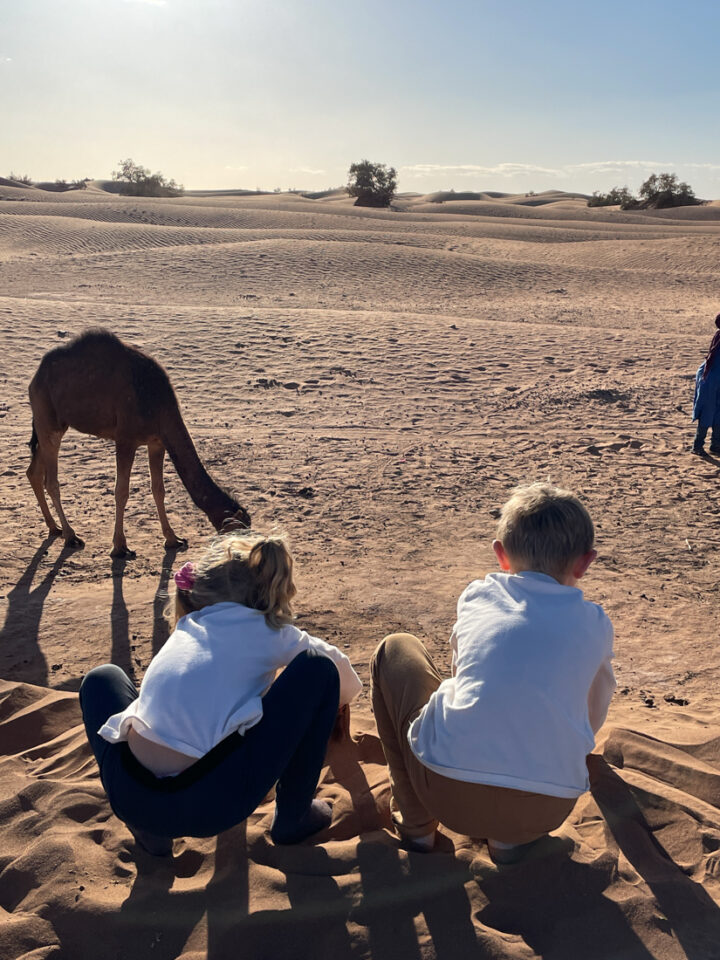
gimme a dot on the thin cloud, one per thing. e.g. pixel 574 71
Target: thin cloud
pixel 6 59
pixel 309 170
pixel 618 166
pixel 151 3
pixel 474 170
pixel 509 170
pixel 231 167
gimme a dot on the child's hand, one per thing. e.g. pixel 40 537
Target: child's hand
pixel 341 730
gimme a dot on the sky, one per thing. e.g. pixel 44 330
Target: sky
pixel 507 95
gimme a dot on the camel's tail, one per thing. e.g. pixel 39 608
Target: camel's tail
pixel 33 439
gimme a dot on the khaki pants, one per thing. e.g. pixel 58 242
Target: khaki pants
pixel 403 679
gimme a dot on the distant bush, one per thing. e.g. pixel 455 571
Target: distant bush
pixel 21 179
pixel 372 183
pixel 137 181
pixel 618 196
pixel 658 191
pixel 60 186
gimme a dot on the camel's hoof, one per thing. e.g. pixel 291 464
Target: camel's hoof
pixel 74 543
pixel 122 553
pixel 179 543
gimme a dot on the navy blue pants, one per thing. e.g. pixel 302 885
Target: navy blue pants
pixel 287 747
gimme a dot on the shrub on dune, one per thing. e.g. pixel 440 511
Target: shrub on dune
pixel 372 183
pixel 137 181
pixel 618 196
pixel 665 190
pixel 658 191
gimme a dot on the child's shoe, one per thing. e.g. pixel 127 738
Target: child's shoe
pixel 507 853
pixel 422 844
pixel 151 843
pixel 317 817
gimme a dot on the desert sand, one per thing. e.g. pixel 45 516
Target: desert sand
pixel 373 383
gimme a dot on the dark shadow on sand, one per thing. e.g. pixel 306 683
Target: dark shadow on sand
pixel 396 891
pixel 121 646
pixel 19 635
pixel 398 887
pixel 160 626
pixel 161 914
pixel 569 914
pixel 691 913
pixel 320 906
pixel 120 653
pixel 559 907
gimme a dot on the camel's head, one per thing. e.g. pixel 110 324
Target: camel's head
pixel 237 521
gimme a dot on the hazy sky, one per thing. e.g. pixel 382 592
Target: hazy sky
pixel 471 94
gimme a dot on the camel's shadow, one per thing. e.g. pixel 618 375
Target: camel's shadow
pixel 122 649
pixel 21 656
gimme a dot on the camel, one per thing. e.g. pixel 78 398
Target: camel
pixel 106 388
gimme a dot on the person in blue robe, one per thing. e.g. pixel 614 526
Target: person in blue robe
pixel 706 407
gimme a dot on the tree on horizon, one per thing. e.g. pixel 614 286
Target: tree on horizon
pixel 660 190
pixel 372 183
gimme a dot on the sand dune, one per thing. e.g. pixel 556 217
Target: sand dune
pixel 374 382
pixel 73 877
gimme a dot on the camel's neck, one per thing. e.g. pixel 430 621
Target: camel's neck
pixel 205 493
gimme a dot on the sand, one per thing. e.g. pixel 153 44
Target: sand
pixel 373 383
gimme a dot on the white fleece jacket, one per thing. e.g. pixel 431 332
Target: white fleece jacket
pixel 531 686
pixel 209 678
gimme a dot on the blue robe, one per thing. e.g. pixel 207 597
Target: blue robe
pixel 707 395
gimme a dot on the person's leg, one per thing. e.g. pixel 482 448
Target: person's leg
pixel 105 691
pixel 309 695
pixel 223 788
pixel 510 820
pixel 715 437
pixel 286 747
pixel 699 442
pixel 403 679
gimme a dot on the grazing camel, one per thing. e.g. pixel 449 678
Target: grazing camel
pixel 102 386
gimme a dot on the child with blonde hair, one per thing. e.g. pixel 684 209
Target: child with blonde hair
pixel 498 750
pixel 211 729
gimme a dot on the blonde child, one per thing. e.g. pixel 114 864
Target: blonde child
pixel 498 750
pixel 211 730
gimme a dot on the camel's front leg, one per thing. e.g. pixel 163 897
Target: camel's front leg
pixel 124 458
pixel 156 459
pixel 36 474
pixel 49 456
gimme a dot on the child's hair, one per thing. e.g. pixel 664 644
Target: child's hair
pixel 242 567
pixel 544 528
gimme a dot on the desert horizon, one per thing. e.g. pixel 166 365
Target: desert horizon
pixel 373 382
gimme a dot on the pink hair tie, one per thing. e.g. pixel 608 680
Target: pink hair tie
pixel 185 577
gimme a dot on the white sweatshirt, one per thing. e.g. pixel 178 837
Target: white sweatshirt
pixel 531 684
pixel 209 678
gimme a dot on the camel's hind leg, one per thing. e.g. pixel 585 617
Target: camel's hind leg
pixel 156 459
pixel 36 476
pixel 48 450
pixel 124 458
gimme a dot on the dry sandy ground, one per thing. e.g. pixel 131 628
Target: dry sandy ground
pixel 374 383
